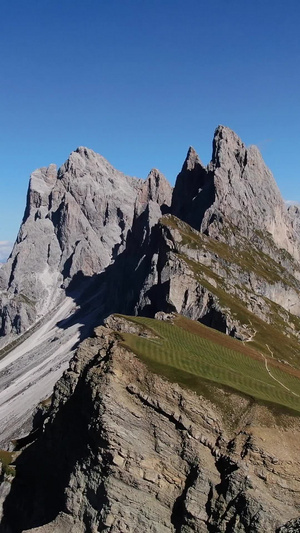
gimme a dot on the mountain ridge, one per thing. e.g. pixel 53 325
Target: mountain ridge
pixel 221 248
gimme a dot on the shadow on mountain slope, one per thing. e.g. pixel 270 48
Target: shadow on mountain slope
pixel 44 468
pixel 118 287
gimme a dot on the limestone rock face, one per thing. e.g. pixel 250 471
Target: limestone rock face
pixel 246 192
pixel 124 450
pixel 121 449
pixel 294 212
pixel 236 188
pixel 82 252
pixel 193 192
pixel 76 220
pixel 156 189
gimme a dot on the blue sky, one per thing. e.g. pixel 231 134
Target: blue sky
pixel 139 81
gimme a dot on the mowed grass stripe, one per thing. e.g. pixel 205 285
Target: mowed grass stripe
pixel 182 347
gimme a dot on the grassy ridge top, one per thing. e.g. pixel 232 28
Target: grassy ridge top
pixel 185 350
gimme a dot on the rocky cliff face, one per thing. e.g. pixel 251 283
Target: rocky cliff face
pixel 294 212
pixel 85 230
pixel 76 220
pixel 235 190
pixel 121 449
pixel 124 450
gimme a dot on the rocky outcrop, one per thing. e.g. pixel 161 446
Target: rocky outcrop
pixel 235 192
pixel 188 274
pixel 194 191
pixel 123 450
pixel 76 220
pixel 294 212
pixel 80 291
pixel 155 189
pixel 246 192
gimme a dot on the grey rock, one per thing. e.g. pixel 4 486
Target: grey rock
pixel 246 192
pixel 293 526
pixel 236 190
pixel 156 189
pixel 294 212
pixel 187 271
pixel 75 230
pixel 193 192
pixel 76 220
pixel 126 450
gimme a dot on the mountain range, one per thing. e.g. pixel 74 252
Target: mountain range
pixel 168 321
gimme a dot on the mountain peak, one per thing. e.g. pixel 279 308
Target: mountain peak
pixel 155 188
pixel 226 144
pixel 193 190
pixel 192 160
pixel 94 242
pixel 84 151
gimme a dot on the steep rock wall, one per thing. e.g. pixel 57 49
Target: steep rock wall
pixel 124 450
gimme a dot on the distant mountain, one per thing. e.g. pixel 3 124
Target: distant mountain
pixel 184 415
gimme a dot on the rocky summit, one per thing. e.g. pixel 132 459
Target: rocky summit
pixel 149 350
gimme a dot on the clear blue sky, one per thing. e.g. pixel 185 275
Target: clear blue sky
pixel 141 80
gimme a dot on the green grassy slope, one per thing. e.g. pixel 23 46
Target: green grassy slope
pixel 269 336
pixel 245 254
pixel 186 350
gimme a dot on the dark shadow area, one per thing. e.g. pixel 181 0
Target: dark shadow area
pixel 43 470
pixel 117 289
pixel 215 319
pixel 193 194
pixel 179 511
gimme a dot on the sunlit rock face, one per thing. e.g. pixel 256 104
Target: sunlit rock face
pixel 235 189
pixel 122 449
pixel 126 450
pixel 76 220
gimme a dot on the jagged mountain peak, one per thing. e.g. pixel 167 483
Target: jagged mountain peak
pixel 85 151
pixel 192 191
pixel 226 133
pixel 228 148
pixel 75 219
pixel 246 194
pixel 192 160
pixel 155 188
pixel 157 183
pixel 155 172
pixel 236 190
pixel 47 174
pixel 88 154
pixel 84 162
pixel 41 182
pixel 94 243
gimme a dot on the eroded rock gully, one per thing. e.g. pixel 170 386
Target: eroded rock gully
pixel 123 450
